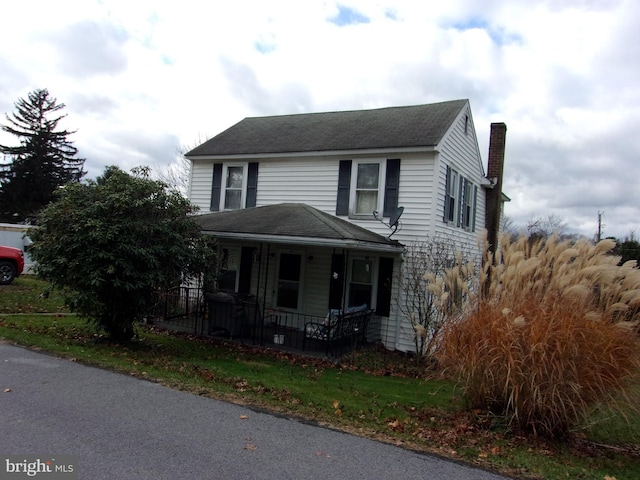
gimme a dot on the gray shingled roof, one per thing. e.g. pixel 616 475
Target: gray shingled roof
pixel 294 223
pixel 393 127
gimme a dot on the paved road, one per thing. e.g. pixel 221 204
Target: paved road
pixel 121 427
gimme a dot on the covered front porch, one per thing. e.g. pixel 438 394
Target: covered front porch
pixel 291 276
pixel 237 318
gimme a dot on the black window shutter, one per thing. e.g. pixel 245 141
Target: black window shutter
pixel 383 297
pixel 336 282
pixel 344 184
pixel 475 201
pixel 447 197
pixel 215 187
pixel 392 187
pixel 460 204
pixel 252 185
pixel 464 202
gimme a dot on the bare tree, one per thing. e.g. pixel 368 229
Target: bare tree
pixel 509 227
pixel 544 227
pixel 177 174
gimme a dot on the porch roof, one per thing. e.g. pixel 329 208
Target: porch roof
pixel 293 223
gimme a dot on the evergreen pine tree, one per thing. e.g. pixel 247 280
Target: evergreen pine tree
pixel 44 160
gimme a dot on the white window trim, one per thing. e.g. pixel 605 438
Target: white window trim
pixel 223 186
pixel 456 183
pixel 382 181
pixel 234 253
pixel 300 283
pixel 374 278
pixel 454 188
pixel 470 203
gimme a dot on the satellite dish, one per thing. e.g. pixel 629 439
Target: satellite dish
pixel 395 217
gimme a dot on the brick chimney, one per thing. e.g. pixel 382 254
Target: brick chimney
pixel 495 169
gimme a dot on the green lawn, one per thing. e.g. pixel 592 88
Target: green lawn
pixel 394 405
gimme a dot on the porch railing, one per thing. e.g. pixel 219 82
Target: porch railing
pixel 181 308
pixel 240 318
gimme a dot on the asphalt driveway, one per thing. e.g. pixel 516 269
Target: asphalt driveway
pixel 120 427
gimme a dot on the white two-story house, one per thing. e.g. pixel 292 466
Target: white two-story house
pixel 313 212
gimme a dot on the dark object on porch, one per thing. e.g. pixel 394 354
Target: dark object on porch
pixel 232 314
pixel 339 329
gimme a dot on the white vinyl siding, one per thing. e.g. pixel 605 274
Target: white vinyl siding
pixel 459 151
pixel 200 188
pixel 307 180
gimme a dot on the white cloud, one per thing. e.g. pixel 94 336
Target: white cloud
pixel 143 78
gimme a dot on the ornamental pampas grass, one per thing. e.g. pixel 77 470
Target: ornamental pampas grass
pixel 553 334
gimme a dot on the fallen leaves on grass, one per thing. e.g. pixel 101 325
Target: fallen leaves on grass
pixel 396 425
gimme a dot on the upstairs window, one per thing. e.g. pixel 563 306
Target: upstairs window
pixel 451 196
pixel 234 188
pixel 367 185
pixel 460 201
pixel 469 193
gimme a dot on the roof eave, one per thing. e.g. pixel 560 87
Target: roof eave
pixel 310 241
pixel 315 153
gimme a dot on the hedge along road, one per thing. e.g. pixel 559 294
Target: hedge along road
pixel 126 428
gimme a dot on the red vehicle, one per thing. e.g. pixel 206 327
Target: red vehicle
pixel 11 264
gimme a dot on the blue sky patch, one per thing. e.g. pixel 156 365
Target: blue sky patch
pixel 391 14
pixel 264 47
pixel 497 34
pixel 348 16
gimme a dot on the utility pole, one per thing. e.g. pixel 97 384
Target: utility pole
pixel 599 234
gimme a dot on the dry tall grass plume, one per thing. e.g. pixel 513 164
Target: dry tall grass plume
pixel 553 333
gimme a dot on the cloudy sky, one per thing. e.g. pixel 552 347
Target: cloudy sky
pixel 143 79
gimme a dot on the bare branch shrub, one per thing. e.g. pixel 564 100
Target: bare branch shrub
pixel 431 288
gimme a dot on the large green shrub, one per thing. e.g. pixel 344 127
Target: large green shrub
pixel 552 333
pixel 109 244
